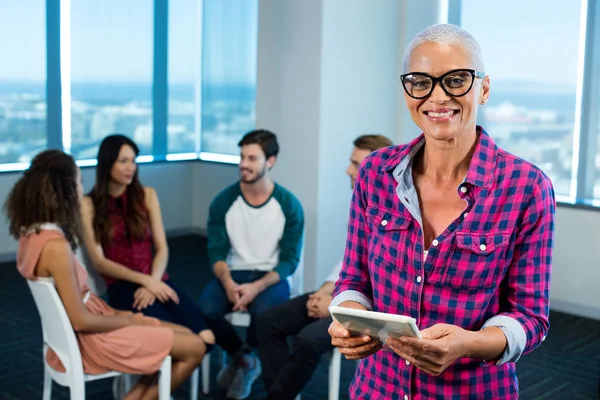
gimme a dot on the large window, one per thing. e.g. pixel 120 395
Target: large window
pixel 531 53
pixel 212 74
pixel 228 73
pixel 184 76
pixel 596 160
pixel 177 76
pixel 111 73
pixel 591 110
pixel 22 80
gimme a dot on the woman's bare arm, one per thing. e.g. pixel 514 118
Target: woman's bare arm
pixel 161 249
pixel 56 261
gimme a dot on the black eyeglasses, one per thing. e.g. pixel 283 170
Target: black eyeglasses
pixel 455 83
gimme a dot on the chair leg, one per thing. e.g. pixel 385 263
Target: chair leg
pixel 47 390
pixel 127 382
pixel 77 389
pixel 164 380
pixel 194 385
pixel 334 375
pixel 206 374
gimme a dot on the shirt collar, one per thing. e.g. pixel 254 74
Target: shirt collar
pixel 117 204
pixel 45 226
pixel 481 169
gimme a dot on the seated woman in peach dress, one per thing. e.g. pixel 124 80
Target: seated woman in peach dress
pixel 44 213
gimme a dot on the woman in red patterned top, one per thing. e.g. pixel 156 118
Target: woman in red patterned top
pixel 125 238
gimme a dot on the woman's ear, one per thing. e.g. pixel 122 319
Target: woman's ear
pixel 484 93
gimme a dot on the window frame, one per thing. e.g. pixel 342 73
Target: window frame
pixel 58 98
pixel 590 106
pixel 586 127
pixel 58 89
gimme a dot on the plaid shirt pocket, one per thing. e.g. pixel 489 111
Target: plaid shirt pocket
pixel 477 259
pixel 389 232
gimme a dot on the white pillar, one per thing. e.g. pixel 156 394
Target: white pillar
pixel 288 102
pixel 329 71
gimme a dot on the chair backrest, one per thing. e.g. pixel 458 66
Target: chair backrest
pixel 296 280
pixel 57 330
pixel 95 281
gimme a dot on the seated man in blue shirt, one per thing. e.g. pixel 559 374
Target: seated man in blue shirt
pixel 255 229
pixel 306 316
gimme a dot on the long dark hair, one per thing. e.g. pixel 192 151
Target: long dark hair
pixel 47 192
pixel 136 218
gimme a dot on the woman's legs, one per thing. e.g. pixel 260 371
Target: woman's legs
pixel 186 313
pixel 189 314
pixel 208 337
pixel 140 387
pixel 187 353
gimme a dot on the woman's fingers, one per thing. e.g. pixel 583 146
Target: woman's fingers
pixel 338 331
pixel 365 350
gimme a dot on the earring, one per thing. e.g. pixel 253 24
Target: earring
pixel 482 101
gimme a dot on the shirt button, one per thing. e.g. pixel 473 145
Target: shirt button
pixel 384 222
pixel 465 214
pixel 482 247
pixel 405 397
pixel 435 242
pixel 419 279
pixel 463 189
pixel 407 362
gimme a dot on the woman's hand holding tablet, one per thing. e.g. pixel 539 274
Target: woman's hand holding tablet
pixel 353 347
pixel 375 324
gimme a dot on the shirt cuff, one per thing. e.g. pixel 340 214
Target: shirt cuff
pixel 352 295
pixel 516 339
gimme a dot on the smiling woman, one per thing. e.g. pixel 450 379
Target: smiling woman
pixel 452 231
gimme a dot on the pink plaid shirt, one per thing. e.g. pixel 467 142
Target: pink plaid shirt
pixel 490 267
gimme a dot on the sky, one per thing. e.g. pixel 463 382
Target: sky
pixel 111 40
pixel 534 40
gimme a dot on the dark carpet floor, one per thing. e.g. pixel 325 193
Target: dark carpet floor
pixel 566 366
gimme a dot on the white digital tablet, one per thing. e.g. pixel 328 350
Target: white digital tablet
pixel 375 324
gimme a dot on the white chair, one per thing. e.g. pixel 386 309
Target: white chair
pixel 95 281
pixel 58 334
pixel 335 366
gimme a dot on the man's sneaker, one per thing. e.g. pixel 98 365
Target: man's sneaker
pixel 226 374
pixel 244 378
